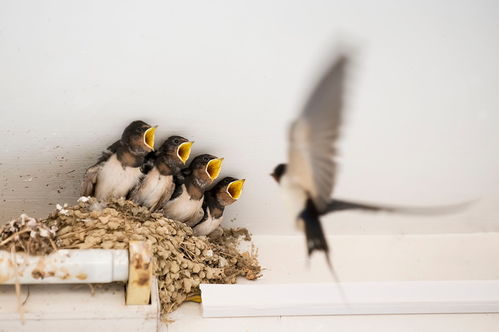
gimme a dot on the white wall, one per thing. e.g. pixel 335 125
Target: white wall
pixel 422 114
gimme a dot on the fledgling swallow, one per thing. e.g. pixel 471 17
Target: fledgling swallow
pixel 118 169
pixel 186 202
pixel 226 191
pixel 309 176
pixel 156 188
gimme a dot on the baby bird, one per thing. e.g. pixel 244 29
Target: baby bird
pixel 118 169
pixel 225 192
pixel 186 202
pixel 156 188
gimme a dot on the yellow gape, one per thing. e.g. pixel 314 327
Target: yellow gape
pixel 184 151
pixel 213 168
pixel 194 298
pixel 235 188
pixel 149 137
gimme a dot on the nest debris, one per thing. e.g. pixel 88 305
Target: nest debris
pixel 182 261
pixel 28 235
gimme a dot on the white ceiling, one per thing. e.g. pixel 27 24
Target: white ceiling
pixel 422 106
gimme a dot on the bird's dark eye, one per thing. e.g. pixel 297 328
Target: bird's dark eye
pixel 206 159
pixel 176 141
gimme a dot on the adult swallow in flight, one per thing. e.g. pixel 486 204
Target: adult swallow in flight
pixel 118 169
pixel 309 176
pixel 226 191
pixel 186 202
pixel 157 187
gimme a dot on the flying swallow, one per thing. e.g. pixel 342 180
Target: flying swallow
pixel 309 176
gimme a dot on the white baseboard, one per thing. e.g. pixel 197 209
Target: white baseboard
pixel 407 297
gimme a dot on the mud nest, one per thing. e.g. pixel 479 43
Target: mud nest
pixel 182 261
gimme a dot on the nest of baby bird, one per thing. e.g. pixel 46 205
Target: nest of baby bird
pixel 182 261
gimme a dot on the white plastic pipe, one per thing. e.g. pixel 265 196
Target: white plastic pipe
pixel 65 266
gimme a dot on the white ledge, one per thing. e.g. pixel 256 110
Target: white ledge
pixel 407 297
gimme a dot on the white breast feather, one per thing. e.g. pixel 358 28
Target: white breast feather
pixel 114 181
pixel 295 198
pixel 207 226
pixel 183 208
pixel 153 187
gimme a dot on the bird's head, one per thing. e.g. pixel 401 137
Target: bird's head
pixel 174 152
pixel 206 168
pixel 139 137
pixel 228 190
pixel 278 172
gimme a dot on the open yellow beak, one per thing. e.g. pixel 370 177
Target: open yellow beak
pixel 235 188
pixel 184 151
pixel 149 137
pixel 214 167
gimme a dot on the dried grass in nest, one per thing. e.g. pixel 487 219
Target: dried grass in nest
pixel 28 235
pixel 181 260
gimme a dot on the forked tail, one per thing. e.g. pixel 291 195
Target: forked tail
pixel 313 229
pixel 316 240
pixel 338 205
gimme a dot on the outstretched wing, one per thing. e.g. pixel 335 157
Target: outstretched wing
pixel 313 134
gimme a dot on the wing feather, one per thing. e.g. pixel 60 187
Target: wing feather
pixel 313 134
pixel 91 174
pixel 90 180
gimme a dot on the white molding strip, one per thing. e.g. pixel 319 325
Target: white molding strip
pixel 363 298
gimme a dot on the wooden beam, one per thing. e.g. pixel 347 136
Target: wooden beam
pixel 140 273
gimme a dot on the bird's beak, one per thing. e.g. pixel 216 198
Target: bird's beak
pixel 184 151
pixel 274 176
pixel 235 188
pixel 149 137
pixel 213 168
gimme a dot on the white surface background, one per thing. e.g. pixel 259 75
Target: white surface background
pixel 422 106
pixel 357 258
